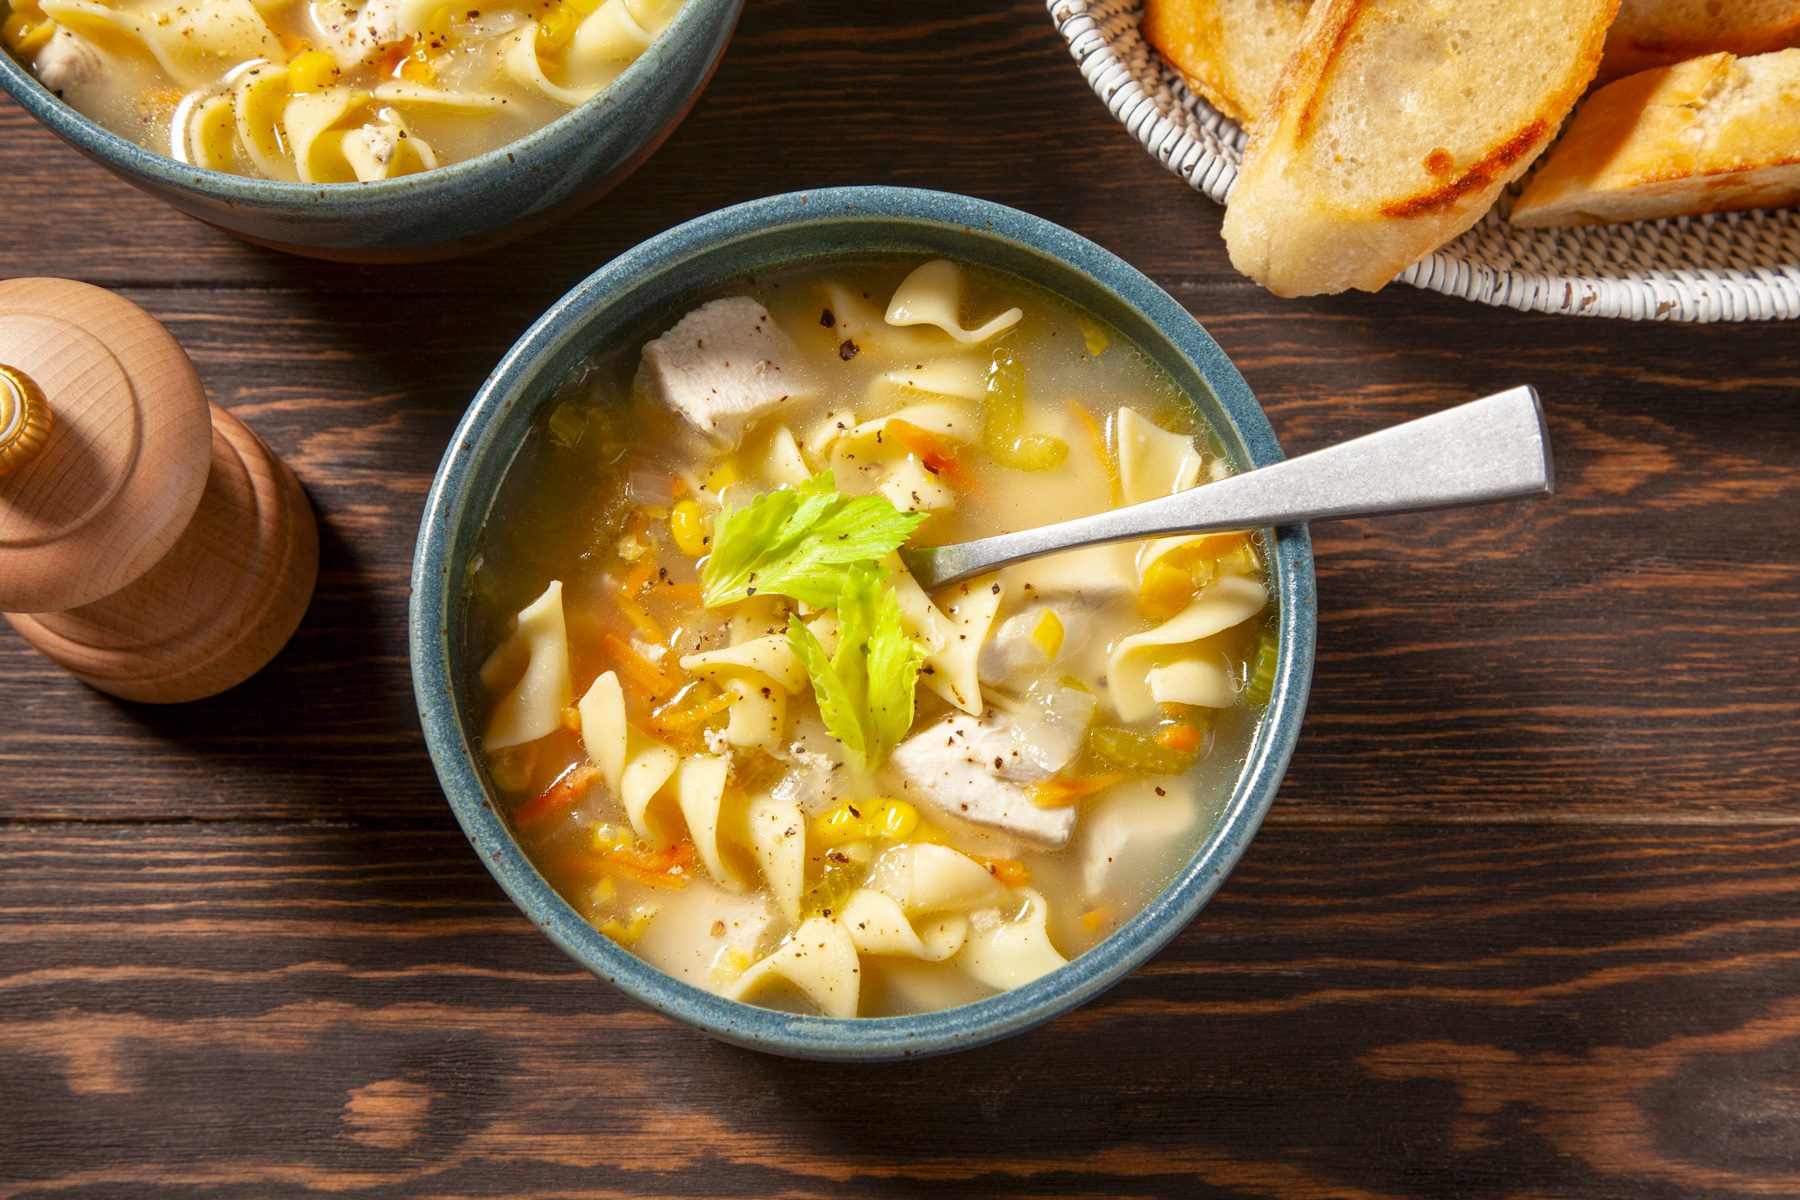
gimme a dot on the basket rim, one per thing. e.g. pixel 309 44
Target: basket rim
pixel 1648 294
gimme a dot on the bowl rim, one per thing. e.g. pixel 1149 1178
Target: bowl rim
pixel 123 154
pixel 512 386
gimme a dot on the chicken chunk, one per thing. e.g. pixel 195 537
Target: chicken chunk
pixel 971 769
pixel 66 62
pixel 356 35
pixel 721 366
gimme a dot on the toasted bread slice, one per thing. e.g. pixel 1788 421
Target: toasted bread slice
pixel 1658 33
pixel 1393 128
pixel 1230 51
pixel 1707 135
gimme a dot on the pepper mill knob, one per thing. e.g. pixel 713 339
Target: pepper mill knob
pixel 24 419
pixel 149 542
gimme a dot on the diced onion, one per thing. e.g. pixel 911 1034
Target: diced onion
pixel 650 485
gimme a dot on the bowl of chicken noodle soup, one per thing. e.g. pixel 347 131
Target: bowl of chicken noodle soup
pixel 365 129
pixel 710 734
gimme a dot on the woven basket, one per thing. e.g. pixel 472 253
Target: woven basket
pixel 1726 267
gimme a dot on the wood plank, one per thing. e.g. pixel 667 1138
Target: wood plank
pixel 1577 658
pixel 240 1010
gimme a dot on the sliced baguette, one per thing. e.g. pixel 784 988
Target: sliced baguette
pixel 1658 33
pixel 1393 128
pixel 1230 51
pixel 1707 135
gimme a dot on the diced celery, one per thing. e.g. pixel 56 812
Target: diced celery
pixel 1261 684
pixel 567 423
pixel 1136 753
pixel 1003 429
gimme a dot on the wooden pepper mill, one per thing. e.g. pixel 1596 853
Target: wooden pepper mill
pixel 149 543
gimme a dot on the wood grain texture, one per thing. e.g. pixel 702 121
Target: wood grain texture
pixel 1523 923
pixel 218 606
pixel 124 464
pixel 1403 1011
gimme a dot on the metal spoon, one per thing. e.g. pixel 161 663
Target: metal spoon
pixel 1495 448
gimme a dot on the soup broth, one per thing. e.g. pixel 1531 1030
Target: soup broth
pixel 328 91
pixel 820 789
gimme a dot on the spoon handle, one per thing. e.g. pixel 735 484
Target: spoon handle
pixel 1495 448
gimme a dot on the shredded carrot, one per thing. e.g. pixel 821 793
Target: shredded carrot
pixel 396 54
pixel 1097 438
pixel 678 487
pixel 666 868
pixel 569 787
pixel 1184 738
pixel 646 673
pixel 693 714
pixel 1094 918
pixel 1059 793
pixel 638 577
pixel 640 618
pixel 680 591
pixel 1009 871
pixel 570 719
pixel 937 455
pixel 626 597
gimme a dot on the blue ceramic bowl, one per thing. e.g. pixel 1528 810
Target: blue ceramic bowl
pixel 455 209
pixel 656 279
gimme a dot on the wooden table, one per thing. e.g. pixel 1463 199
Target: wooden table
pixel 1525 920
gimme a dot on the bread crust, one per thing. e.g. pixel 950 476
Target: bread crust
pixel 1229 51
pixel 1291 230
pixel 1660 33
pixel 1713 134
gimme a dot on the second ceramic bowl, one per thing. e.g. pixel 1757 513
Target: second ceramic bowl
pixel 454 209
pixel 656 280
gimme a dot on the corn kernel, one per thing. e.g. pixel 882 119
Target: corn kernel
pixel 898 818
pixel 863 820
pixel 611 837
pixel 1094 336
pixel 723 476
pixel 1166 590
pixel 623 933
pixel 417 68
pixel 688 526
pixel 1048 635
pixel 556 28
pixel 25 34
pixel 728 965
pixel 311 71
